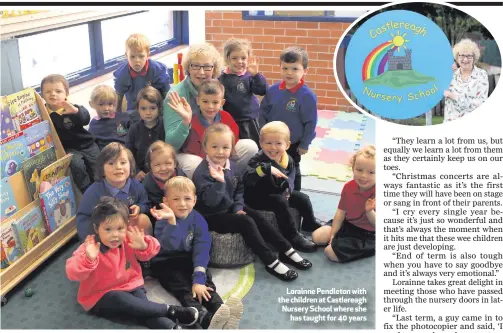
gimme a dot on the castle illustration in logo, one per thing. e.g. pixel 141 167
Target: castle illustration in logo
pixel 399 73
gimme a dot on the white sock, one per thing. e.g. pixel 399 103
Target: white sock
pixel 281 268
pixel 295 257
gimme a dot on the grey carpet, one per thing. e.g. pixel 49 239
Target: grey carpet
pixel 54 303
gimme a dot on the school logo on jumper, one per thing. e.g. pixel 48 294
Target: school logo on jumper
pixel 189 238
pixel 121 130
pixel 241 87
pixel 398 64
pixel 290 106
pixel 67 123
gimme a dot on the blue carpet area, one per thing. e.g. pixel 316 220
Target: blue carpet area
pixel 263 310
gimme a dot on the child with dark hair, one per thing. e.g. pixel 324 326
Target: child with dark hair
pixel 161 161
pixel 108 126
pixel 242 81
pixel 115 170
pixel 182 264
pixel 142 134
pixel 220 191
pixel 294 103
pixel 69 121
pixel 106 265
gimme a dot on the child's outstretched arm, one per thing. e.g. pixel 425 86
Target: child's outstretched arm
pixel 146 247
pixel 166 230
pixel 211 188
pixel 258 81
pixel 177 117
pixel 84 260
pixel 337 223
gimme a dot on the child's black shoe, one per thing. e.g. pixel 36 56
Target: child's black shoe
pixel 183 315
pixel 217 320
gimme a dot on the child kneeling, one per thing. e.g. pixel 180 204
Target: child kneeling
pixel 181 266
pixel 106 265
pixel 352 235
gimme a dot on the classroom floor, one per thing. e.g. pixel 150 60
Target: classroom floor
pixel 54 305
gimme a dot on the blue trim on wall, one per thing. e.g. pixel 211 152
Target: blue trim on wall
pixel 262 17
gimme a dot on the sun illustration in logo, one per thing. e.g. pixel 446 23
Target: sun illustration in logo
pixel 399 40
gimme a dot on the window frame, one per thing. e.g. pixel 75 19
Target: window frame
pixel 98 66
pixel 262 17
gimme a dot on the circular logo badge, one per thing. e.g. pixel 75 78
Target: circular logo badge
pixel 398 64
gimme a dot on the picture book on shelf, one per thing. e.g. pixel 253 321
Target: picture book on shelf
pixel 58 204
pixel 38 137
pixel 30 228
pixel 10 244
pixel 23 108
pixel 55 171
pixel 13 152
pixel 32 167
pixel 7 199
pixel 7 125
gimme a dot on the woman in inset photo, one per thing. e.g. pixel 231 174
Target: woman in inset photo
pixel 470 84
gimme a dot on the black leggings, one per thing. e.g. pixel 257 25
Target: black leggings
pixel 278 204
pixel 255 231
pixel 133 304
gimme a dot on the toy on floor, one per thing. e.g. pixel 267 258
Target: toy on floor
pixel 28 292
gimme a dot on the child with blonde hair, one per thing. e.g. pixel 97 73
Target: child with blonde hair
pixel 106 265
pixel 138 72
pixel 242 81
pixel 150 129
pixel 108 125
pixel 182 264
pixel 352 234
pixel 269 185
pixel 220 190
pixel 161 163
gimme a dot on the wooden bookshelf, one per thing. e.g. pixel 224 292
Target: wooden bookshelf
pixel 11 276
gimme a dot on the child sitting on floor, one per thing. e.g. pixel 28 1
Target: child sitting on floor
pixel 161 161
pixel 115 170
pixel 69 121
pixel 269 185
pixel 108 126
pixel 143 133
pixel 182 264
pixel 106 265
pixel 220 191
pixel 352 235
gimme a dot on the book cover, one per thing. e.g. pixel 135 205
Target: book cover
pixel 7 124
pixel 38 138
pixel 55 171
pixel 24 109
pixel 13 152
pixel 32 167
pixel 10 244
pixel 30 228
pixel 7 199
pixel 58 204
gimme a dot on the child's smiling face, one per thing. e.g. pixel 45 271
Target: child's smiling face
pixel 364 172
pixel 210 105
pixel 274 145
